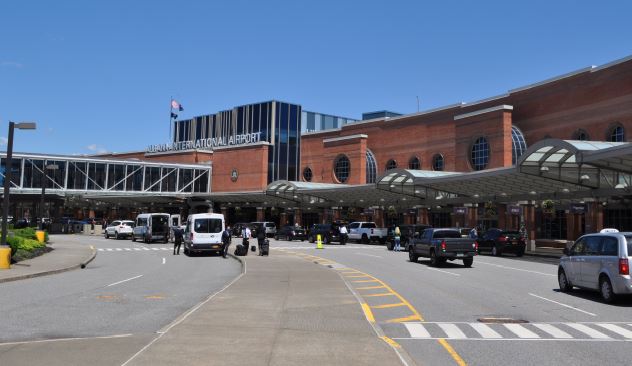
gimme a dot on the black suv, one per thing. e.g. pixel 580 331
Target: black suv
pixel 328 232
pixel 291 232
pixel 499 241
pixel 407 232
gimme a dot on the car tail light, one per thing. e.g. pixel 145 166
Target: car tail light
pixel 475 246
pixel 502 238
pixel 443 245
pixel 624 266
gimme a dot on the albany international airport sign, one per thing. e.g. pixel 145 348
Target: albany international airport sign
pixel 206 144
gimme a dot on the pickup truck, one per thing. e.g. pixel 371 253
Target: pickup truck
pixel 366 232
pixel 441 245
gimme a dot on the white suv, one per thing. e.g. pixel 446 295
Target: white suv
pixel 120 229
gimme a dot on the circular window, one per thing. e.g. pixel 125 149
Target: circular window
pixel 414 163
pixel 480 154
pixel 437 162
pixel 617 134
pixel 581 135
pixel 307 174
pixel 342 168
pixel 391 164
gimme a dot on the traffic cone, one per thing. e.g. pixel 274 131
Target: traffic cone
pixel 319 242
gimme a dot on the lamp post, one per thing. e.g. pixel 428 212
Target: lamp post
pixel 48 167
pixel 7 175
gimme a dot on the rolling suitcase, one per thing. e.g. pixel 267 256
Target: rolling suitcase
pixel 265 247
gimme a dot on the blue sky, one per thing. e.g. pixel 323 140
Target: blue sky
pixel 98 75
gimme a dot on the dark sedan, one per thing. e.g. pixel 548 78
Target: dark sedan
pixel 499 241
pixel 290 233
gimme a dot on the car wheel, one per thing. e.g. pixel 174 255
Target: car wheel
pixel 186 251
pixel 605 287
pixel 116 235
pixel 290 238
pixel 562 280
pixel 166 239
pixel 133 237
pixel 496 252
pixel 107 236
pixel 310 239
pixel 326 239
pixel 276 237
pixel 412 256
pixel 467 262
pixel 434 261
pixel 365 239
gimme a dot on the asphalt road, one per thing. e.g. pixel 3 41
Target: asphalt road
pixel 433 313
pixel 127 294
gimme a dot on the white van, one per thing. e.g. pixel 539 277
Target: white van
pixel 203 233
pixel 151 226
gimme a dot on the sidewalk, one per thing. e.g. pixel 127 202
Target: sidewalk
pixel 66 255
pixel 282 311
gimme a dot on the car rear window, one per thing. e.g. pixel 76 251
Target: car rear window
pixel 127 223
pixel 441 234
pixel 628 238
pixel 270 224
pixel 369 225
pixel 206 226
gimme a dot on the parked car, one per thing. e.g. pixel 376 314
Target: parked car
pixel 441 245
pixel 366 232
pixel 269 227
pixel 120 229
pixel 598 262
pixel 499 241
pixel 291 232
pixel 151 226
pixel 203 233
pixel 407 232
pixel 328 232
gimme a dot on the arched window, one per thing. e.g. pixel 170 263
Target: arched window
pixel 342 167
pixel 518 144
pixel 581 135
pixel 307 174
pixel 371 167
pixel 479 155
pixel 414 163
pixel 391 164
pixel 617 134
pixel 437 162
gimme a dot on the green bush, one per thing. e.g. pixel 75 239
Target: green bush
pixel 28 233
pixel 18 242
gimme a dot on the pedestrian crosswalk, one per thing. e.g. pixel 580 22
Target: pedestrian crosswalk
pixel 519 331
pixel 134 249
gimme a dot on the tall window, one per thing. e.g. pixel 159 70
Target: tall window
pixel 391 164
pixel 307 174
pixel 437 162
pixel 479 156
pixel 371 167
pixel 617 134
pixel 414 163
pixel 342 166
pixel 518 144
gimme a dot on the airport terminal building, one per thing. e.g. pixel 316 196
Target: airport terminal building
pixel 553 156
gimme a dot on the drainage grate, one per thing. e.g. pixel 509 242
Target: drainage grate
pixel 493 320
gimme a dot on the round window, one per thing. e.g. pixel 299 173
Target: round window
pixel 391 164
pixel 437 162
pixel 480 154
pixel 342 168
pixel 414 163
pixel 307 174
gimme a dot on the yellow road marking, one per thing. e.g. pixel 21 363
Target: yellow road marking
pixel 362 281
pixel 369 287
pixel 378 295
pixel 386 306
pixel 405 319
pixel 357 276
pixel 452 352
pixel 391 342
pixel 368 313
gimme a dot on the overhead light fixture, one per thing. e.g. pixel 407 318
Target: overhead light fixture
pixel 544 169
pixel 404 199
pixel 533 193
pixel 584 177
pixel 382 199
pixel 417 192
pixel 621 186
pixel 476 195
pixel 361 200
pixel 566 190
pixel 503 194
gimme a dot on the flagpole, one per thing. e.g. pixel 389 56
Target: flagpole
pixel 170 115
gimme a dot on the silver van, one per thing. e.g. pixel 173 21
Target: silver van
pixel 598 262
pixel 270 227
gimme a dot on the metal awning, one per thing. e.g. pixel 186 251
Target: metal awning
pixel 408 182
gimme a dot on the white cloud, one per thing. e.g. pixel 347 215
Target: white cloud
pixel 92 147
pixel 97 149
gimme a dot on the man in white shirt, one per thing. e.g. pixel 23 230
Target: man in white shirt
pixel 343 235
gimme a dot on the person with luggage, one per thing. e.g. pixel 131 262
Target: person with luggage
pixel 261 238
pixel 343 235
pixel 246 234
pixel 226 239
pixel 398 239
pixel 178 234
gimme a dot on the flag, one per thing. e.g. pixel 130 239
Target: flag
pixel 173 115
pixel 176 105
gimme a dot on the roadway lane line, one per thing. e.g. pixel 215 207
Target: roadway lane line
pixel 616 329
pixel 417 330
pixel 369 255
pixel 442 271
pixel 129 279
pixel 516 269
pixel 452 331
pixel 65 339
pixel 594 334
pixel 521 331
pixel 370 287
pixel 452 352
pixel 552 330
pixel 387 306
pixel 485 331
pixel 559 303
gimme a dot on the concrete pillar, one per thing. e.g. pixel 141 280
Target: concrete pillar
pixel 529 221
pixel 570 225
pixel 261 214
pixel 422 216
pixel 283 219
pixel 594 217
pixel 298 217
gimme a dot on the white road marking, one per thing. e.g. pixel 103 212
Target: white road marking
pixel 452 331
pixel 137 249
pixel 128 249
pixel 165 248
pixel 594 334
pixel 144 248
pixel 442 271
pixel 517 269
pixel 129 279
pixel 119 249
pixel 164 260
pixel 417 330
pixel 617 329
pixel 521 331
pixel 155 248
pixel 109 249
pixel 65 339
pixel 552 330
pixel 485 330
pixel 559 303
pixel 369 255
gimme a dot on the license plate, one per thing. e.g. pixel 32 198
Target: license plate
pixel 215 246
pixel 460 254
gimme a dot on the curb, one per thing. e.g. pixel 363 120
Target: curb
pixel 54 271
pixel 543 255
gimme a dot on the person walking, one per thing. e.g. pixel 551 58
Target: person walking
pixel 246 234
pixel 474 233
pixel 343 235
pixel 398 239
pixel 226 239
pixel 261 237
pixel 178 234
